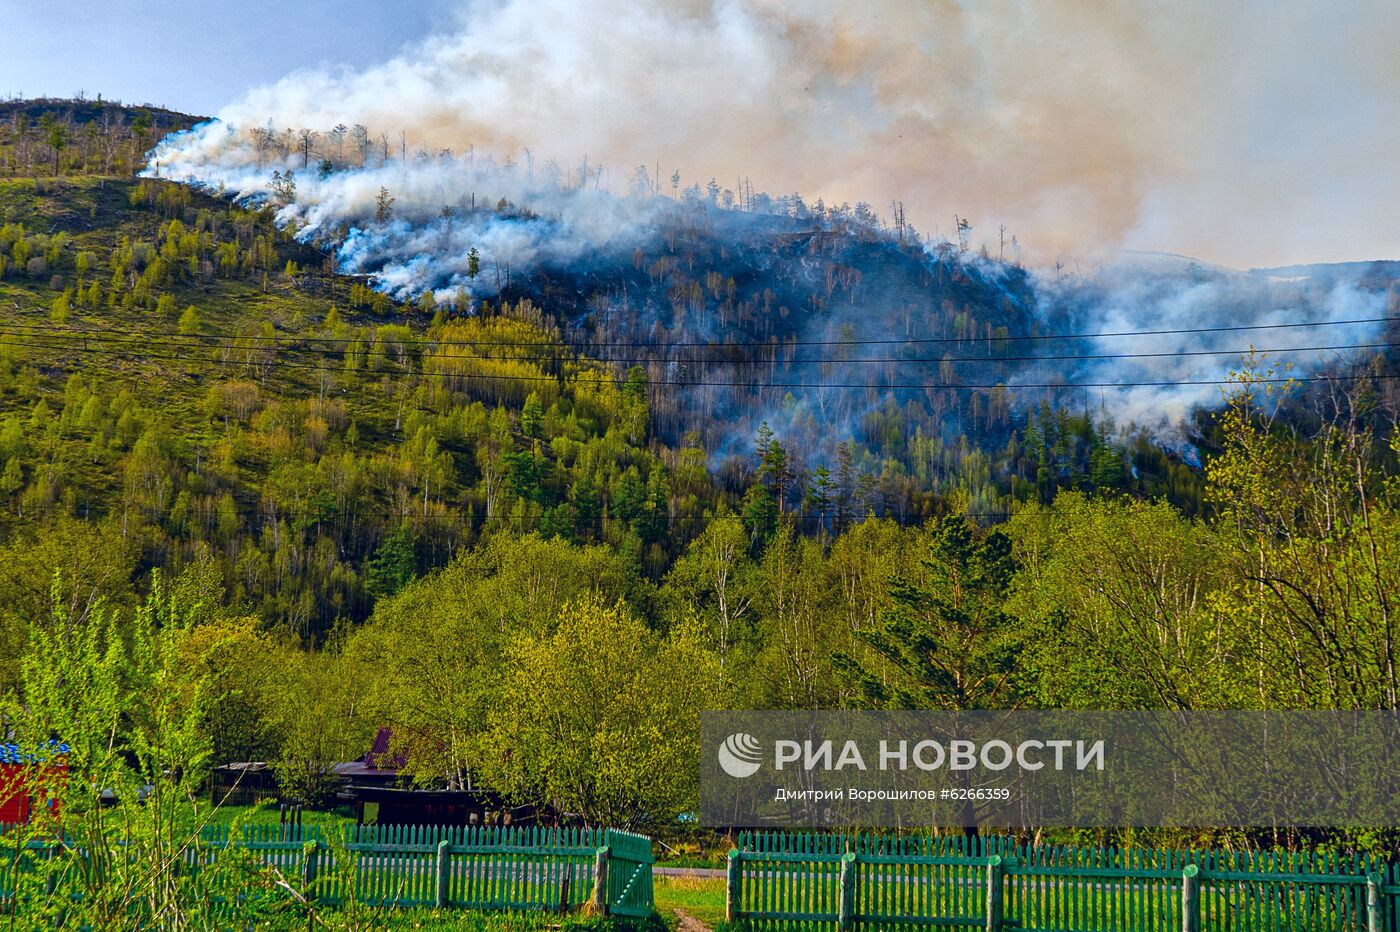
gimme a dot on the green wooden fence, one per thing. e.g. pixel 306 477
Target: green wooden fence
pixel 997 884
pixel 468 867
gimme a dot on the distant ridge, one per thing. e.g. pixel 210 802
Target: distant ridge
pixel 88 110
pixel 1368 270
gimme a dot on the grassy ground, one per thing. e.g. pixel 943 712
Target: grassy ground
pixel 461 921
pixel 714 861
pixel 268 815
pixel 702 898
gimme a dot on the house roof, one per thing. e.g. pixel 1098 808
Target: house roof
pixel 377 762
pixel 358 768
pixel 13 754
pixel 379 758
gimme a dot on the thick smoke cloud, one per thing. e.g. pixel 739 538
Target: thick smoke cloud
pixel 1252 133
pixel 1083 127
pixel 1139 294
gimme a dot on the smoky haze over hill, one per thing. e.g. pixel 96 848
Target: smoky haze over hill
pixel 828 322
pixel 609 164
pixel 1248 134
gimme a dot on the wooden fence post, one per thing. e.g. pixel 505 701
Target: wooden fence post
pixel 994 878
pixel 734 876
pixel 444 872
pixel 564 883
pixel 846 905
pixel 1375 904
pixel 310 856
pixel 1190 899
pixel 600 882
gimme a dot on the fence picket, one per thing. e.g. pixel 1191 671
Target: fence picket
pixel 942 881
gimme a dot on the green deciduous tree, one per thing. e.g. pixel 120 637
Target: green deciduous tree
pixel 1127 587
pixel 602 717
pixel 118 691
pixel 189 321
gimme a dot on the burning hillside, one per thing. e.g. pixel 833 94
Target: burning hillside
pixel 828 322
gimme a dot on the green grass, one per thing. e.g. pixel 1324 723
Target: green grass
pixel 715 861
pixel 432 920
pixel 701 897
pixel 268 815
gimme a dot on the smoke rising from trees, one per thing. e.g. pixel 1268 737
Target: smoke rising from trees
pixel 1244 133
pixel 546 136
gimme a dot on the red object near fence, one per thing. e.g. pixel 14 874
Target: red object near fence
pixel 27 781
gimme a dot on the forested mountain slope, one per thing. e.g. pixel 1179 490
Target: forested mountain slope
pixel 355 511
pixel 186 382
pixel 178 374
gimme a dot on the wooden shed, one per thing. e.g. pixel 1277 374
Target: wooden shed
pixel 243 784
pixel 380 796
pixel 27 781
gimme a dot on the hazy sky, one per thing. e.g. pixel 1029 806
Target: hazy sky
pixel 1244 132
pixel 194 55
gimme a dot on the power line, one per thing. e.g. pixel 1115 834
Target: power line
pixel 583 345
pixel 187 340
pixel 899 517
pixel 752 385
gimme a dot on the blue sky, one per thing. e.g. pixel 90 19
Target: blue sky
pixel 195 55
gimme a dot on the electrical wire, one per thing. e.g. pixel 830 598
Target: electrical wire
pixel 581 345
pixel 186 340
pixel 750 384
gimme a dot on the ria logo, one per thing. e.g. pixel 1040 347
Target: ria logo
pixel 740 755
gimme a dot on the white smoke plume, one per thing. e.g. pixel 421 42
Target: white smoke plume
pixel 439 207
pixel 1247 133
pixel 1213 310
pixel 1250 133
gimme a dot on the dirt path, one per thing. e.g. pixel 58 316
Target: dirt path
pixel 688 923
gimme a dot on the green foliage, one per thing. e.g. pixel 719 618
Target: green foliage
pixel 309 715
pixel 393 565
pixel 531 416
pixel 114 688
pixel 430 524
pixel 435 653
pixel 601 717
pixel 1126 587
pixel 948 638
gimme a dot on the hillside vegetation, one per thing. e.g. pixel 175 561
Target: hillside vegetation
pixel 197 388
pixel 254 510
pixel 81 137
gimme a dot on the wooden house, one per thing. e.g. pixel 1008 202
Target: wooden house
pixel 374 786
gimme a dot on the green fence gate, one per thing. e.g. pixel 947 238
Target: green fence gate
pixel 546 869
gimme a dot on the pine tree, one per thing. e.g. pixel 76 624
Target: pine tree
pixel 393 565
pixel 383 206
pixel 949 640
pixel 845 484
pixel 531 416
pixel 820 494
